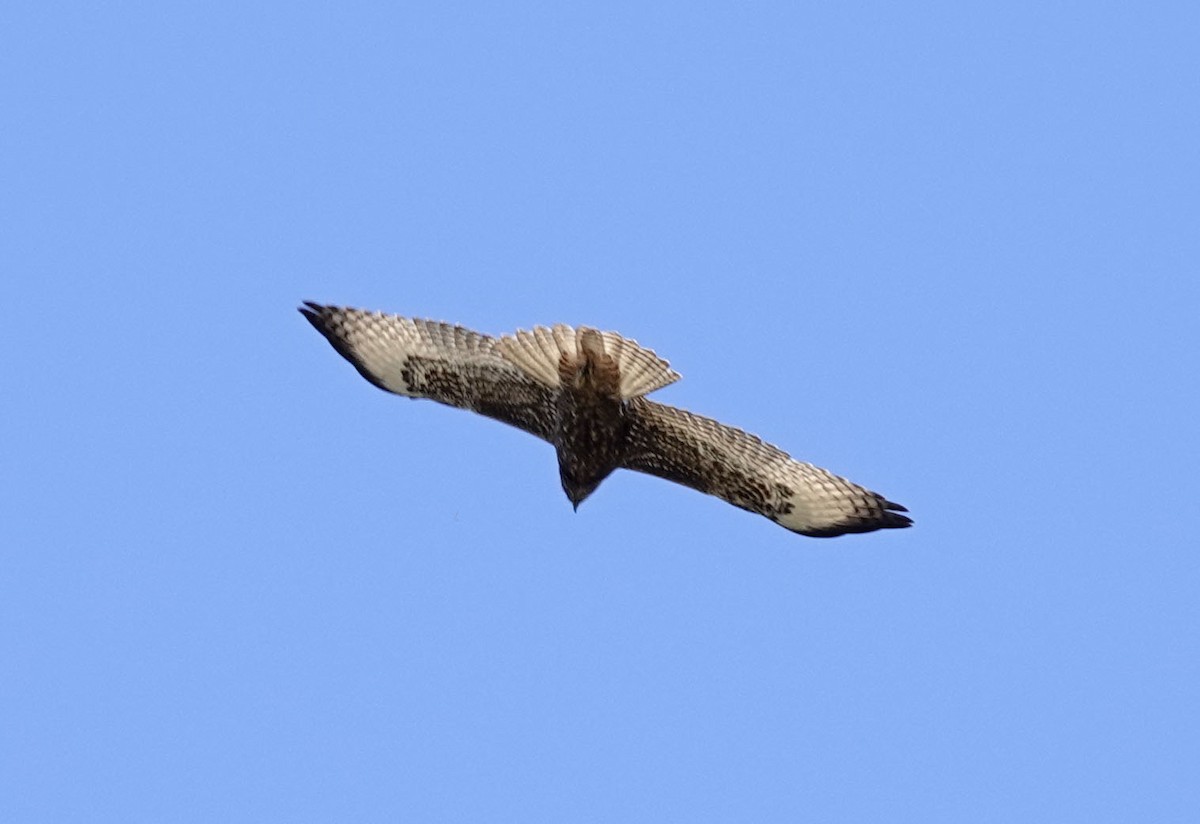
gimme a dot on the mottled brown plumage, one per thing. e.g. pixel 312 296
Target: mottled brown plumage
pixel 592 424
pixel 583 390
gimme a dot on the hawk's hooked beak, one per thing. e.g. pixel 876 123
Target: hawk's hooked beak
pixel 578 496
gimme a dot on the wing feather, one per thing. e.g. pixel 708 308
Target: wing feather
pixel 440 361
pixel 749 473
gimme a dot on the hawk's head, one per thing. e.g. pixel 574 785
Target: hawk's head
pixel 578 489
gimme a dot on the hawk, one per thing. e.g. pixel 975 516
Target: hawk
pixel 584 391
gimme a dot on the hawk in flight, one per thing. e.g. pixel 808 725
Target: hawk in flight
pixel 584 391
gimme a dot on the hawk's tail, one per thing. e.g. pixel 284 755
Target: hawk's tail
pixel 539 351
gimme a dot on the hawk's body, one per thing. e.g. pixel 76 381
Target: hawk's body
pixel 583 391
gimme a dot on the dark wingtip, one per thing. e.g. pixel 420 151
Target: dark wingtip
pixel 314 313
pixel 325 320
pixel 888 517
pixel 892 520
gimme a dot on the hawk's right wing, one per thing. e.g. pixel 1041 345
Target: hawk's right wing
pixel 745 471
pixel 425 359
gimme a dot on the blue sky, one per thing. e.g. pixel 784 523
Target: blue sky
pixel 949 250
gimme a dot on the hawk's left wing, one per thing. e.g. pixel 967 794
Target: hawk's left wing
pixel 750 473
pixel 425 359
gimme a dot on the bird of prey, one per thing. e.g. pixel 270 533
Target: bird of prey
pixel 584 391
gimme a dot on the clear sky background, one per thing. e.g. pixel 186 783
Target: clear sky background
pixel 949 250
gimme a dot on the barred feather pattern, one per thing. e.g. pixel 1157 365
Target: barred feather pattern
pixel 747 472
pixel 439 361
pixel 540 350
